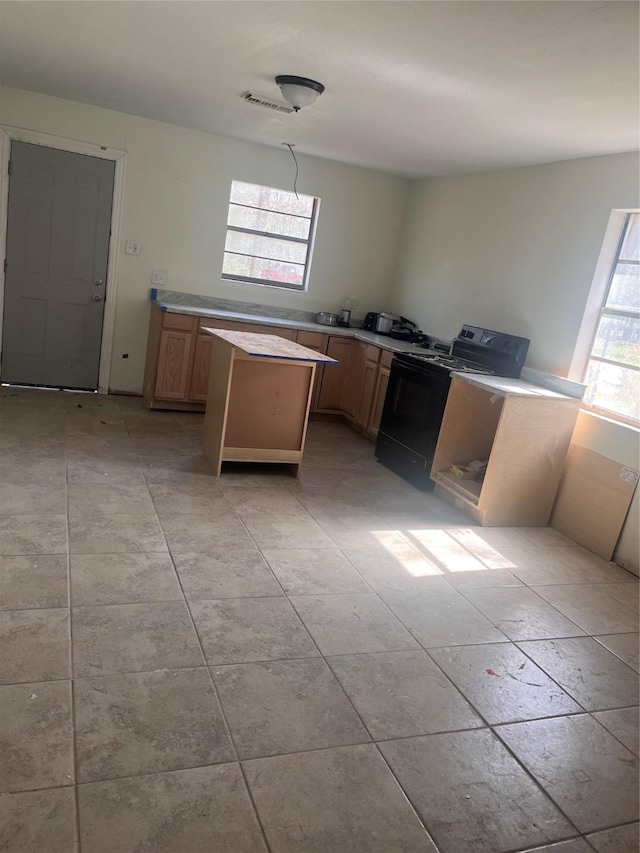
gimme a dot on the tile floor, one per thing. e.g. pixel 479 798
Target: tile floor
pixel 257 663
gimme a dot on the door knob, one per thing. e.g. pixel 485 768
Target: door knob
pixel 97 297
pixel 98 282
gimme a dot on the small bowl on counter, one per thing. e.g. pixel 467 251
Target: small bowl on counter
pixel 324 318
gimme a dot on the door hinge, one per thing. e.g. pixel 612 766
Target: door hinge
pixel 5 264
pixel 9 168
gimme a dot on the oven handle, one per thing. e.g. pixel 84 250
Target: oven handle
pixel 428 377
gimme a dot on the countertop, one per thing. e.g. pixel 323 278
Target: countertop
pixel 382 341
pixel 269 346
pixel 506 387
pixel 533 383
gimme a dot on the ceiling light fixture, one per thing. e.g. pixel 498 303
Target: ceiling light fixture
pixel 298 91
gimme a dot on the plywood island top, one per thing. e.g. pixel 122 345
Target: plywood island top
pixel 269 346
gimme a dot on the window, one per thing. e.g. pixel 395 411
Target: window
pixel 269 236
pixel 612 372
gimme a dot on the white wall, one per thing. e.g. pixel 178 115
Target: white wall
pixel 516 250
pixel 175 203
pixel 513 250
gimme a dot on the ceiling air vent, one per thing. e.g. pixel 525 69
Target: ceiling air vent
pixel 261 101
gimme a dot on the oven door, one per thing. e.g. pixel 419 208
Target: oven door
pixel 414 406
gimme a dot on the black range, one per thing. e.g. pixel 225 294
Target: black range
pixel 417 394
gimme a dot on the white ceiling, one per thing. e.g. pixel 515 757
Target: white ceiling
pixel 412 88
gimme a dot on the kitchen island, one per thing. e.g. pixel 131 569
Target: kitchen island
pixel 258 401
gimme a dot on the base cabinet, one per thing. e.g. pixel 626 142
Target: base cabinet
pixel 179 357
pixel 199 386
pixel 336 377
pixel 525 439
pixel 179 362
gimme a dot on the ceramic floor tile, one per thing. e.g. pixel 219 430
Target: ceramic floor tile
pixel 349 624
pixel 334 800
pixel 399 694
pixel 397 568
pixel 280 502
pixel 592 567
pixel 305 571
pixel 575 845
pixel 34 645
pixel 201 535
pixel 206 499
pixel 624 594
pixel 32 499
pixel 480 800
pixel 28 582
pixel 361 530
pixel 133 638
pixel 239 630
pixel 99 500
pixel 123 578
pixel 546 537
pixel 38 821
pixel 620 839
pixel 539 567
pixel 148 722
pixel 522 614
pixel 37 737
pixel 272 532
pixel 111 534
pixel 586 771
pixel 185 811
pixel 226 574
pixel 33 534
pixel 442 618
pixel 286 706
pixel 108 470
pixel 33 469
pixel 502 683
pixel 591 607
pixel 624 646
pixel 623 724
pixel 588 672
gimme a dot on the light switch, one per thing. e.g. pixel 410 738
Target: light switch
pixel 159 277
pixel 132 247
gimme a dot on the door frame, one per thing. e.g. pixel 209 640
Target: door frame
pixel 18 134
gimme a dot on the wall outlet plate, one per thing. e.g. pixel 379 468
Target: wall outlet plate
pixel 132 247
pixel 159 277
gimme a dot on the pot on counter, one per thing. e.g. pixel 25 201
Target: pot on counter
pixel 384 322
pixel 324 318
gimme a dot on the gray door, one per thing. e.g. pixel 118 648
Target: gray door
pixel 55 285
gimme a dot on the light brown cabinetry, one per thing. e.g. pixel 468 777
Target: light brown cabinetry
pixel 179 362
pixel 524 437
pixel 174 359
pixel 379 393
pixel 199 385
pixel 335 379
pixel 179 357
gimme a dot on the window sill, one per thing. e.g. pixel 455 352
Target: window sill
pixel 611 418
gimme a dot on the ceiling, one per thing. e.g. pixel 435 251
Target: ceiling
pixel 412 88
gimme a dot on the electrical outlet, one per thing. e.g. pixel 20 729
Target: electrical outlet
pixel 159 277
pixel 354 302
pixel 132 247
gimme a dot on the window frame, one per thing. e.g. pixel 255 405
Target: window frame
pixel 309 242
pixel 596 308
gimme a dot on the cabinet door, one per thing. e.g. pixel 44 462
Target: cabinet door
pixel 352 390
pixel 380 393
pixel 199 385
pixel 173 365
pixel 334 376
pixel 370 376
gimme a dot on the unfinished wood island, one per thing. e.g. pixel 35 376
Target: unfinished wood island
pixel 260 390
pixel 524 432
